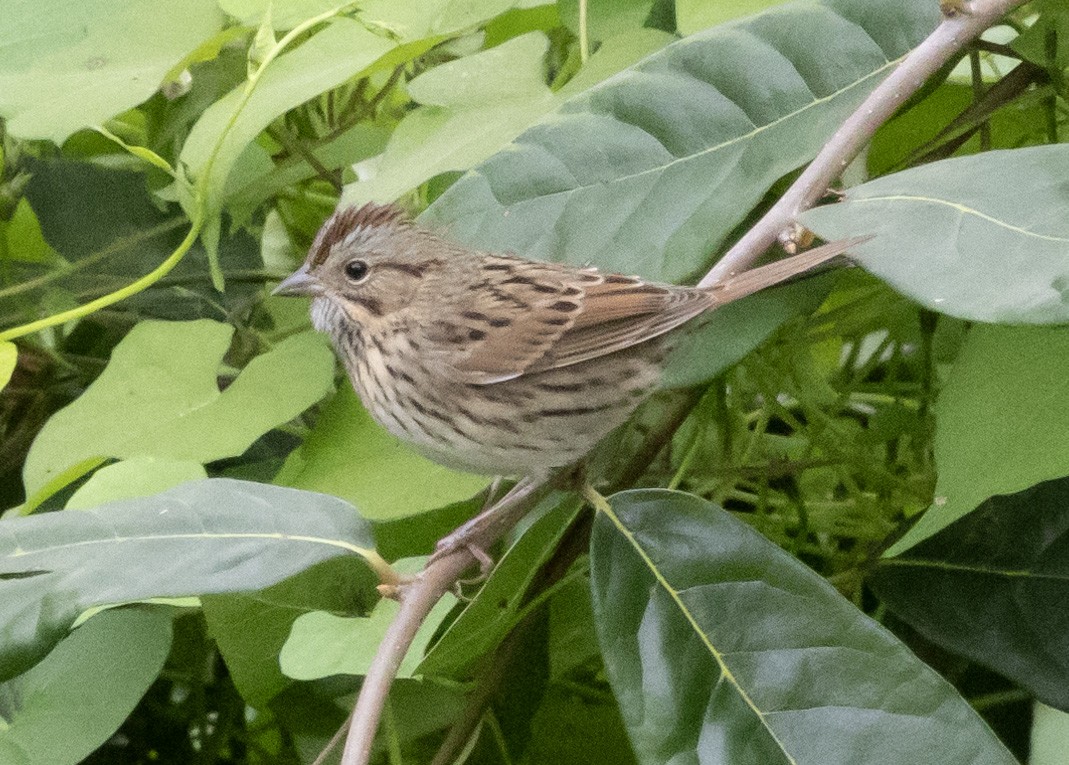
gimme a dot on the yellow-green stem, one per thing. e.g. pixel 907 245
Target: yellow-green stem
pixel 584 38
pixel 112 297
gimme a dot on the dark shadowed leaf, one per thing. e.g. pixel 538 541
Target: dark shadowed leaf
pixel 59 711
pixel 983 237
pixel 211 536
pixel 110 231
pixel 994 586
pixel 721 647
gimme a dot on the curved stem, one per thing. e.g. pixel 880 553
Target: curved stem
pixel 112 297
pixel 958 28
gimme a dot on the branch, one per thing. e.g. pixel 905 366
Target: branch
pixel 418 597
pixel 963 21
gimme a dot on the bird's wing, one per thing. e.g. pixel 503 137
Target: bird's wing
pixel 528 317
pixel 523 316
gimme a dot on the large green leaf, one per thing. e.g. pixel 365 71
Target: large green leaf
pixel 651 171
pixel 985 587
pixel 58 712
pixel 721 647
pixel 983 237
pixel 159 397
pixel 349 455
pixel 1002 421
pixel 211 536
pixel 65 66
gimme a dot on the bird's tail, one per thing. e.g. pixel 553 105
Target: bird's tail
pixel 784 270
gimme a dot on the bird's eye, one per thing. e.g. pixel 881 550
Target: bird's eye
pixel 356 270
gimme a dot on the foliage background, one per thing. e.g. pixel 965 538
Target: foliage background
pixel 164 165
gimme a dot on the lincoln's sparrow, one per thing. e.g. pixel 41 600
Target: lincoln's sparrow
pixel 492 363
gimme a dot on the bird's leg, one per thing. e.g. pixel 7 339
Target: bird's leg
pixel 486 563
pixel 493 516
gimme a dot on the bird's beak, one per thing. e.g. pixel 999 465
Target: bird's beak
pixel 300 282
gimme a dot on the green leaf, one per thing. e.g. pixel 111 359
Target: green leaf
pixel 606 18
pixel 472 106
pixel 9 356
pixel 349 455
pixel 651 171
pixel 25 242
pixel 342 50
pixel 1002 422
pixel 67 66
pixel 695 15
pixel 284 15
pixel 211 536
pixel 983 587
pixel 323 644
pixel 475 105
pixel 159 397
pixel 494 611
pixel 430 19
pixel 1050 736
pixel 135 477
pixel 722 647
pixel 74 700
pixel 980 237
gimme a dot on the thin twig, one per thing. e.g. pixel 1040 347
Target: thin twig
pixel 957 30
pixel 296 148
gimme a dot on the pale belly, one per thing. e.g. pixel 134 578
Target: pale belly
pixel 525 426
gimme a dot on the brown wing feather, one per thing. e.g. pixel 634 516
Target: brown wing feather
pixel 623 311
pixel 614 320
pixel 518 310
